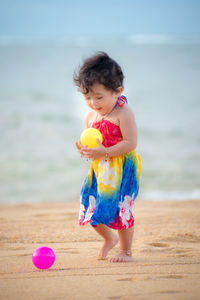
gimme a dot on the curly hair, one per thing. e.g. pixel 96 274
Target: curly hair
pixel 99 68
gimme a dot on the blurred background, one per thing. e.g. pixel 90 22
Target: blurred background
pixel 42 43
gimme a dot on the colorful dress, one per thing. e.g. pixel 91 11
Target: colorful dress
pixel 112 185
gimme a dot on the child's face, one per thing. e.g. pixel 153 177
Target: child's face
pixel 101 99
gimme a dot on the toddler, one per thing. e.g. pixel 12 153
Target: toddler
pixel 112 183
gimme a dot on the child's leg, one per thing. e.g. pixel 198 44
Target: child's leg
pixel 110 240
pixel 125 239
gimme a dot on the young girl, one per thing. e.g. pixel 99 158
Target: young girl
pixel 112 183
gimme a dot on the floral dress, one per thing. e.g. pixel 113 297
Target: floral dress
pixel 111 185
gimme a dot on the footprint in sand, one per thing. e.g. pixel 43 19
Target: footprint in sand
pixel 170 292
pixel 125 279
pixel 184 237
pixel 171 276
pixel 67 250
pixel 160 245
pixel 39 215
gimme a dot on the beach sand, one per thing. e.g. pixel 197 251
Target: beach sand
pixel 166 254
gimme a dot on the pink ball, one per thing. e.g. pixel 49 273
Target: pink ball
pixel 43 258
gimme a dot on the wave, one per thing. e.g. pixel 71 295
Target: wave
pixel 161 195
pixel 164 39
pixel 84 40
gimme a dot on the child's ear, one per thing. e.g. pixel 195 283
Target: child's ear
pixel 120 90
pixel 83 90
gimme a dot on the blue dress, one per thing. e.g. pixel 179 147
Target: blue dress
pixel 111 185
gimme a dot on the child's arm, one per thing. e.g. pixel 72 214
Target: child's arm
pixel 129 134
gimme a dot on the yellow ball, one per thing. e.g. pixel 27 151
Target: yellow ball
pixel 89 137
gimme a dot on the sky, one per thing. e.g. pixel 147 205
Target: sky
pixel 63 18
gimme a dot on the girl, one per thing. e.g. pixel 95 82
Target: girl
pixel 112 183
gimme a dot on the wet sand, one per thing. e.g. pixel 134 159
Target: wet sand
pixel 166 254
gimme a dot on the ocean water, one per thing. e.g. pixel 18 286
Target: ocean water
pixel 41 115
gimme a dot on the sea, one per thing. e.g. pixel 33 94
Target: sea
pixel 41 115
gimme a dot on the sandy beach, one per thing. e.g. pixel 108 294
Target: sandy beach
pixel 166 254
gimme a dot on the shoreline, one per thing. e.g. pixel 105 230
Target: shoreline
pixel 166 253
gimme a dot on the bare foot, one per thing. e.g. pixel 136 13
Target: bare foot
pixel 122 256
pixel 107 246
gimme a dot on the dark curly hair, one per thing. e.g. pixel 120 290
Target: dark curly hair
pixel 101 69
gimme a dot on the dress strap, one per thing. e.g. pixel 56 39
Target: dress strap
pixel 121 101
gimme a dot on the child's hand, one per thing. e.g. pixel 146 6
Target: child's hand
pixel 93 153
pixel 79 147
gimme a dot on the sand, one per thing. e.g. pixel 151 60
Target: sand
pixel 166 254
